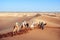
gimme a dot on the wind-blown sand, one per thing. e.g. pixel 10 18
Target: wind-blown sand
pixel 51 31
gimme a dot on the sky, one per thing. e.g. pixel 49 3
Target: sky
pixel 30 5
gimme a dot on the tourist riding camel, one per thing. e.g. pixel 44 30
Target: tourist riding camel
pixel 24 24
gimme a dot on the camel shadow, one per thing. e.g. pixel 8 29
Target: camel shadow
pixel 10 34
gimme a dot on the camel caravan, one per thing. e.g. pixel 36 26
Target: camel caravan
pixel 31 26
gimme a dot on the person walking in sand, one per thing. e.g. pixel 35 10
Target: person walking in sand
pixel 41 25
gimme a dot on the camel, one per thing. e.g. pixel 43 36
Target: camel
pixel 32 25
pixel 16 28
pixel 24 25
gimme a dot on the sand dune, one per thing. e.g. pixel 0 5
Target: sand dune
pixel 51 31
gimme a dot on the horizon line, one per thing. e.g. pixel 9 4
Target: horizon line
pixel 31 11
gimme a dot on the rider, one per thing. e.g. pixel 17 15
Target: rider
pixel 42 24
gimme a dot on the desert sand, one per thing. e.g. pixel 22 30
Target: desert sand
pixel 50 32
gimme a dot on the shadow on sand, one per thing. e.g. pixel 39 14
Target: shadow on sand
pixel 23 31
pixel 10 34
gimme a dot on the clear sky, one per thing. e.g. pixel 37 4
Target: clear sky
pixel 30 5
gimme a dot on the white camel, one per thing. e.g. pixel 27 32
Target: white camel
pixel 23 25
pixel 32 25
pixel 16 28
